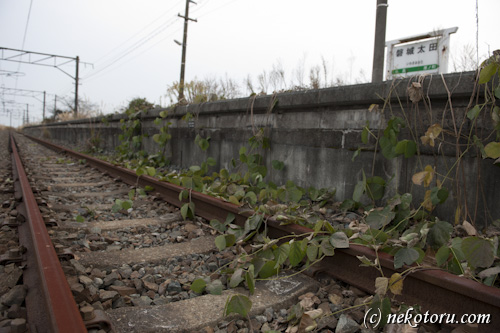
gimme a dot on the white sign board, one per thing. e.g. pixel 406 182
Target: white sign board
pixel 421 54
pixel 422 57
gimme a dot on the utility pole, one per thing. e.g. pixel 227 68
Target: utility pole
pixel 184 41
pixel 43 112
pixel 76 85
pixel 55 107
pixel 379 47
pixel 27 113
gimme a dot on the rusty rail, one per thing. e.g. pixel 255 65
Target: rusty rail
pixel 435 290
pixel 50 302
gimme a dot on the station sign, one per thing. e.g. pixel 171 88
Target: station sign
pixel 422 54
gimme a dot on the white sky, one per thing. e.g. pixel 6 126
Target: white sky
pixel 130 43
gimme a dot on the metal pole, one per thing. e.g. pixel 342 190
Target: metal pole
pixel 43 112
pixel 379 47
pixel 27 113
pixel 55 107
pixel 76 85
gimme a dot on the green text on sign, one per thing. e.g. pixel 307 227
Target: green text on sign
pixel 414 69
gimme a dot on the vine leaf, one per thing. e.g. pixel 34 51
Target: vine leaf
pixel 217 225
pixel 474 112
pixel 358 191
pixel 396 284
pixel 312 251
pixel 469 228
pixel 487 72
pixel 187 210
pixel 492 150
pixel 431 134
pixel 268 269
pixel 380 218
pixel 439 234
pixel 278 165
pixel 238 304
pixel 478 252
pixel 406 147
pixel 442 255
pixel 198 285
pixel 327 248
pixel 308 322
pixel 438 195
pixel 297 252
pixel 365 261
pixel 232 199
pixel 236 278
pixel 384 305
pixel 405 256
pixel 250 279
pixel 424 177
pixel 375 187
pixel 151 171
pixel 223 241
pixel 489 272
pixel 282 253
pixel 427 204
pixel 215 287
pixel 140 171
pixel 339 240
pixel 381 284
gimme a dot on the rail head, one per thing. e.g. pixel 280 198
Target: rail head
pixel 60 310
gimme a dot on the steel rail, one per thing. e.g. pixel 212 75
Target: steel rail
pixel 49 295
pixel 435 290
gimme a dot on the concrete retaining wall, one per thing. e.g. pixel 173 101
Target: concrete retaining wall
pixel 315 134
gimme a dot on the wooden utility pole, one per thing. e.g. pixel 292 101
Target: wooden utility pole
pixel 184 44
pixel 379 47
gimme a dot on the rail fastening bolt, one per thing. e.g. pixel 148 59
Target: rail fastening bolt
pixel 14 253
pixel 18 325
pixel 87 313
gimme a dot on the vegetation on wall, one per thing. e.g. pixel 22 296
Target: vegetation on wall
pixel 398 225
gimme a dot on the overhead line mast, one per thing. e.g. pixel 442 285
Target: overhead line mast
pixel 184 41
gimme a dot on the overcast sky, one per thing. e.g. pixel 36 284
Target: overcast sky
pixel 130 44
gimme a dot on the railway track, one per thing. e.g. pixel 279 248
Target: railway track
pixel 129 258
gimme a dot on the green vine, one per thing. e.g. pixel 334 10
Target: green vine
pixel 394 225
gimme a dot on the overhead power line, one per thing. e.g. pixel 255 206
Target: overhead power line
pixel 118 53
pixel 131 49
pixel 104 71
pixel 116 48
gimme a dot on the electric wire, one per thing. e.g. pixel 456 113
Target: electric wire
pixel 134 57
pixel 134 46
pixel 138 33
pixel 218 8
pixel 24 37
pixel 113 61
pixel 129 51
